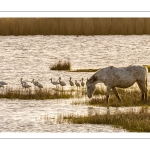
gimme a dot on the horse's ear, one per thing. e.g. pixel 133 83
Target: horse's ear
pixel 94 78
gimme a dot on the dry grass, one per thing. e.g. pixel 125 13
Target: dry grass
pixel 133 122
pixel 130 97
pixel 11 93
pixel 61 65
pixel 74 26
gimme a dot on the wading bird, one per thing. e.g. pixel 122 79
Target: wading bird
pixel 36 83
pixel 23 81
pixel 77 84
pixel 39 85
pixel 1 86
pixel 82 83
pixel 3 83
pixel 62 83
pixel 71 82
pixel 25 85
pixel 54 82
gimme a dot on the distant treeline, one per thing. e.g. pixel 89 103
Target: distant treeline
pixel 74 26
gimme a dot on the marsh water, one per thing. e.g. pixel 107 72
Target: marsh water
pixel 31 56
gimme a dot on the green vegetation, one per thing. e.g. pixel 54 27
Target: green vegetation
pixel 131 121
pixel 74 26
pixel 37 94
pixel 65 65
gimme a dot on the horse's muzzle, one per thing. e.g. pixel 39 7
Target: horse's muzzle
pixel 89 96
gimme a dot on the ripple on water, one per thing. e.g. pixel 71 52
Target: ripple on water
pixel 31 56
pixel 21 116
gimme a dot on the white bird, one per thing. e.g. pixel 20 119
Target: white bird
pixel 54 82
pixel 36 83
pixel 25 85
pixel 71 82
pixel 77 84
pixel 62 83
pixel 22 82
pixel 39 85
pixel 3 83
pixel 82 83
pixel 1 86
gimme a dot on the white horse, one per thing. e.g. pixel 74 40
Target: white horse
pixel 123 77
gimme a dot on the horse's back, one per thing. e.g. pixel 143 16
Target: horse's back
pixel 139 71
pixel 124 76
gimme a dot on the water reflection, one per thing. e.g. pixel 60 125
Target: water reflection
pixel 31 56
pixel 43 116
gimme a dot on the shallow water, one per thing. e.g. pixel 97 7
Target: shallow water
pixel 41 116
pixel 31 56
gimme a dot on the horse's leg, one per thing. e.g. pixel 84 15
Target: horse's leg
pixel 140 87
pixel 146 95
pixel 143 89
pixel 116 93
pixel 107 93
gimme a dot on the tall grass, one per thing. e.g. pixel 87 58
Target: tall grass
pixel 131 121
pixel 74 26
pixel 61 65
pixel 11 93
pixel 130 97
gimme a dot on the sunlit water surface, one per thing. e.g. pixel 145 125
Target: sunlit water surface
pixel 31 56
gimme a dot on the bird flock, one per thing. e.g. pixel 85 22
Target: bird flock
pixel 72 84
pixel 25 84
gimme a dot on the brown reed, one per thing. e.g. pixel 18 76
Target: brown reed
pixel 74 26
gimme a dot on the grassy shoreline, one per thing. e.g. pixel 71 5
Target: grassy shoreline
pixel 132 122
pixel 43 94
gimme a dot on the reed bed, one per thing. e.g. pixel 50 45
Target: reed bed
pixel 74 26
pixel 131 121
pixel 37 94
pixel 61 65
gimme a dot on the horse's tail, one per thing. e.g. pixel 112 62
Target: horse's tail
pixel 146 77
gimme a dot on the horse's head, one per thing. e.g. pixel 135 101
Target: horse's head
pixel 90 84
